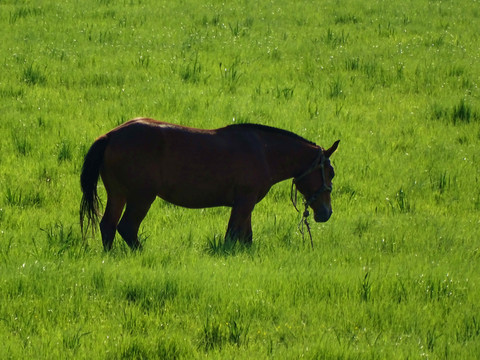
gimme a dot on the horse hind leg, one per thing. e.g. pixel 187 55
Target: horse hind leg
pixel 108 224
pixel 133 216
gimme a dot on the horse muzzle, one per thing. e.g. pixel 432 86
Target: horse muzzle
pixel 323 214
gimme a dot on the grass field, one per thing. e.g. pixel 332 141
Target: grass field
pixel 395 271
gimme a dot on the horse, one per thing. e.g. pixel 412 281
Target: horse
pixel 234 166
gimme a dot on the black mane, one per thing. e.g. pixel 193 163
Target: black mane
pixel 271 129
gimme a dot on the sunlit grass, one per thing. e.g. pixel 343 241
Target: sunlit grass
pixel 393 274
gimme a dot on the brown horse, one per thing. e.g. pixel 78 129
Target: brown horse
pixel 233 166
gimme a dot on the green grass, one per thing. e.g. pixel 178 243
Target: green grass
pixel 393 274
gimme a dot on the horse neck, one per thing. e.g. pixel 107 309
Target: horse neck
pixel 289 158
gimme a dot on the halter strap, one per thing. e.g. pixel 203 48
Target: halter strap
pixel 319 162
pixel 312 167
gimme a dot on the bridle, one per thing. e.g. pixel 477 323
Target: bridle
pixel 318 163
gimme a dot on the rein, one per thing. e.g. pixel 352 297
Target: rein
pixel 318 163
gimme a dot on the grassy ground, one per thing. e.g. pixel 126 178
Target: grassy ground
pixel 394 273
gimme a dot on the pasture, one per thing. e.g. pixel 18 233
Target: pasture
pixel 394 273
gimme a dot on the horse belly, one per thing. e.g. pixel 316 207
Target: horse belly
pixel 197 202
pixel 193 193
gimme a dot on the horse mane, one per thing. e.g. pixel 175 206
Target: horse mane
pixel 270 129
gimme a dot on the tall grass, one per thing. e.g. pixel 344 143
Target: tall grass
pixel 394 271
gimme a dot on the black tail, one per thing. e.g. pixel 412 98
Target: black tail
pixel 89 206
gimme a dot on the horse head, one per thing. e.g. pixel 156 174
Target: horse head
pixel 316 184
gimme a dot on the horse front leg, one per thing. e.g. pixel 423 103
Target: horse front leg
pixel 240 223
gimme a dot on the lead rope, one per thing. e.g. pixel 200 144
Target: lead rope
pixel 304 220
pixel 294 191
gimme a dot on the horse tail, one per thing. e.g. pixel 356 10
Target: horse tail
pixel 89 205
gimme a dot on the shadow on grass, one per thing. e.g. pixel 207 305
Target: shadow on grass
pixel 218 246
pixel 121 250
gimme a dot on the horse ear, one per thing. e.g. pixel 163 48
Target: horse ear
pixel 332 149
